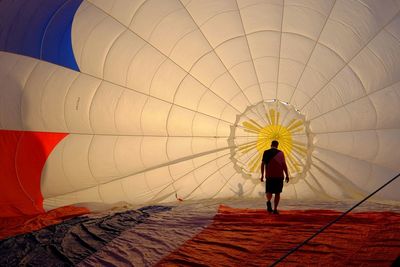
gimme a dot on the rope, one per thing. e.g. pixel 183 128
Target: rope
pixel 332 222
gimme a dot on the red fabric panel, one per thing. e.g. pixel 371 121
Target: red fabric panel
pixel 23 155
pixel 254 238
pixel 12 226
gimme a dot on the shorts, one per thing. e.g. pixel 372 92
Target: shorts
pixel 273 185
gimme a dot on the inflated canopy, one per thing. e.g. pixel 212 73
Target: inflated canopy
pixel 149 101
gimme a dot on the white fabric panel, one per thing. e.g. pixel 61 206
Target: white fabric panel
pixel 157 179
pixel 180 122
pixel 363 114
pixel 143 68
pixel 153 151
pixel 85 196
pixel 121 10
pixel 353 23
pixel 204 125
pixel 92 61
pixel 378 64
pixel 54 98
pixel 264 44
pixel 387 105
pixel 310 82
pixel 163 38
pixel 212 105
pixel 267 69
pixel 54 181
pixel 128 112
pixel 245 76
pixel 214 182
pixel 102 110
pixel 136 189
pixel 290 72
pixel 388 155
pixel 178 148
pixel 376 147
pixel 90 53
pixel 348 85
pixel 189 93
pixel 75 163
pixel 300 51
pixel 112 192
pixel 326 100
pixel 218 20
pixel 224 129
pixel 233 52
pixel 127 154
pixel 394 27
pixel 239 101
pixel 150 14
pixel 14 73
pixel 179 170
pixel 166 81
pixel 78 102
pixel 358 115
pixel 261 15
pixel 319 72
pixel 185 185
pixel 225 87
pixel 268 90
pixel 121 56
pixel 154 117
pixel 67 171
pixel 305 17
pixel 31 102
pixel 204 73
pixel 189 49
pixel 325 61
pixel 362 145
pixel 102 158
pixel 10 104
pixel 85 21
pixel 285 92
pixel 202 145
pixel 364 176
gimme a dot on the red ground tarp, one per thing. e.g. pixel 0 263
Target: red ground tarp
pixel 252 237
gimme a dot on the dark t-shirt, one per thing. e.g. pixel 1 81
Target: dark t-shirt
pixel 269 154
pixel 275 163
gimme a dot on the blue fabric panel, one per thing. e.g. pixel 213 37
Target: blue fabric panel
pixel 57 44
pixel 32 27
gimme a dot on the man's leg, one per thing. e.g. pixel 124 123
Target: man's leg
pixel 276 201
pixel 269 197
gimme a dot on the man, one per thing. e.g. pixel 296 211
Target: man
pixel 273 166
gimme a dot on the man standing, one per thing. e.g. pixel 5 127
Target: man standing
pixel 273 166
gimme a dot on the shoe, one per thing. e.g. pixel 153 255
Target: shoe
pixel 276 212
pixel 269 206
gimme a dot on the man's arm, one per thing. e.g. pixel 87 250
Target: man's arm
pixel 262 171
pixel 285 169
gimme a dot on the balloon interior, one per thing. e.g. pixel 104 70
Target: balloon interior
pixel 170 104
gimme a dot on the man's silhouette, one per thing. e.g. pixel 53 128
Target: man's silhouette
pixel 273 167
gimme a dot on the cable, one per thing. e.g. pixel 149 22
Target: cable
pixel 332 222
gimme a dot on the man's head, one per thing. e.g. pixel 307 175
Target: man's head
pixel 274 144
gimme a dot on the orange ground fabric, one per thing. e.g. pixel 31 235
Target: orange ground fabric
pixel 252 237
pixel 12 226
